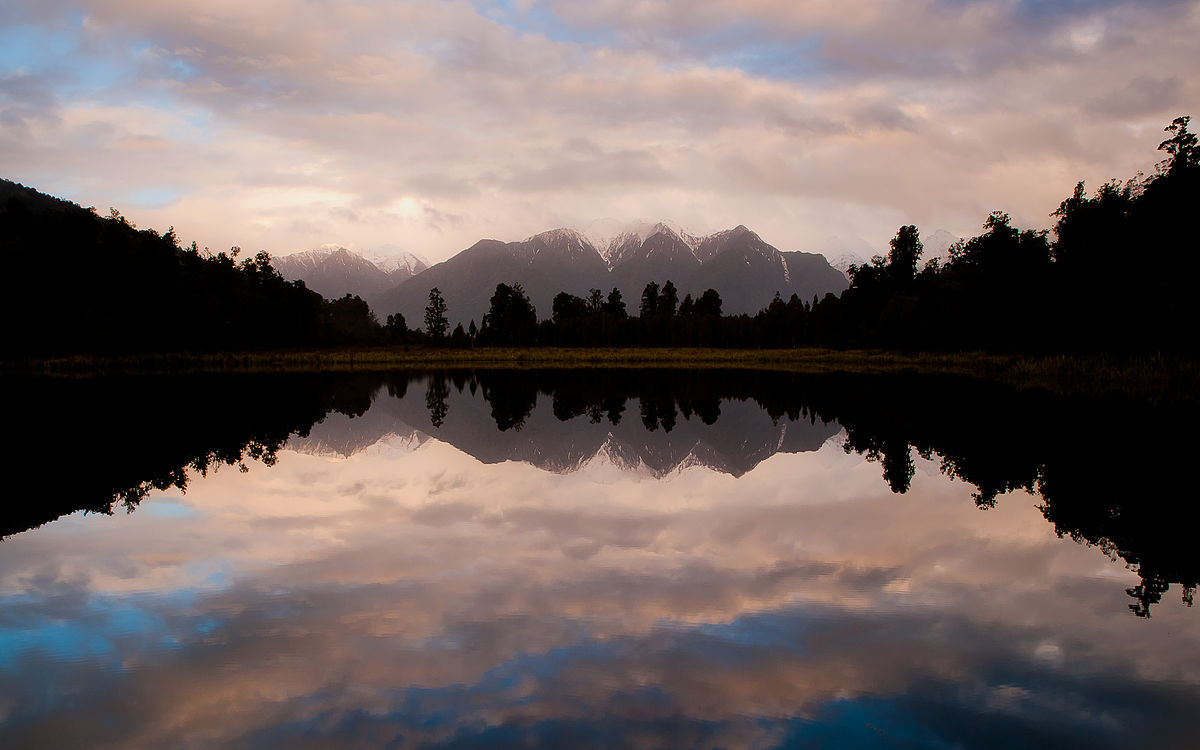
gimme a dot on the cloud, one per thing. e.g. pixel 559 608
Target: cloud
pixel 431 124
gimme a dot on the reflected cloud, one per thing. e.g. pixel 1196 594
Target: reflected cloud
pixel 391 586
pixel 485 627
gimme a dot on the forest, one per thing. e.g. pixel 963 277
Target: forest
pixel 1115 273
pixel 76 282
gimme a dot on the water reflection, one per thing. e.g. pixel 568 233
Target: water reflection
pixel 1098 483
pixel 500 558
pixel 96 443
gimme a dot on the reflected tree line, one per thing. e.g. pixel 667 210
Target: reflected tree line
pixel 103 443
pixel 663 396
pixel 1109 473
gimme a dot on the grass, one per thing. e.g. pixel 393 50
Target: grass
pixel 1153 377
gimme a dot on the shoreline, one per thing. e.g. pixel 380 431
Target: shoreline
pixel 1154 377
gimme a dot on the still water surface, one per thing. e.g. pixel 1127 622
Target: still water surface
pixel 605 559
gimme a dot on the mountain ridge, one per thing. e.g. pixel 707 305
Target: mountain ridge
pixel 334 271
pixel 744 269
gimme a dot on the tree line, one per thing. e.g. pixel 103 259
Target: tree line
pixel 662 319
pixel 78 282
pixel 1118 274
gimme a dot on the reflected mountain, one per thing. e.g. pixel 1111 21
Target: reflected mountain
pixel 1108 473
pixel 633 421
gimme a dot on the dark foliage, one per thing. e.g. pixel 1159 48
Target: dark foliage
pixel 1119 276
pixel 150 433
pixel 75 282
pixel 1116 275
pixel 511 319
pixel 436 324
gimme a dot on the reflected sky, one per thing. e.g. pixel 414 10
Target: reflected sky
pixel 402 591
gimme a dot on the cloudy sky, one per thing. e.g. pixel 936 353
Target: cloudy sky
pixel 425 125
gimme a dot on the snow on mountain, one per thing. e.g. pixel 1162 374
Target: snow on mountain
pixel 571 242
pixel 843 261
pixel 334 271
pixel 937 246
pixel 613 239
pixel 744 269
pixel 306 260
pixel 602 232
pixel 842 252
pixel 409 264
pixel 645 230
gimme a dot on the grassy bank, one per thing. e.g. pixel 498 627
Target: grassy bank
pixel 1152 377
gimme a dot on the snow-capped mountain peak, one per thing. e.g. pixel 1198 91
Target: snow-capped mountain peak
pixel 410 263
pixel 843 261
pixel 307 260
pixel 334 271
pixel 744 269
pixel 563 234
pixel 613 239
pixel 937 246
pixel 569 242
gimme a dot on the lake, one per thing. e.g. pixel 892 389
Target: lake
pixel 594 558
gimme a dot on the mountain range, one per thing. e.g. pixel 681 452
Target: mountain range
pixel 745 270
pixel 334 271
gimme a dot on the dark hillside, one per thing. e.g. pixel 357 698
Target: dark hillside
pixel 76 282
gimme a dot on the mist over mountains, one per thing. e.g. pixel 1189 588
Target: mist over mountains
pixel 334 271
pixel 844 252
pixel 744 269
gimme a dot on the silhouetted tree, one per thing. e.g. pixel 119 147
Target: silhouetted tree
pixel 709 304
pixel 615 306
pixel 511 319
pixel 396 328
pixel 649 306
pixel 435 399
pixel 512 396
pixel 1181 147
pixel 350 320
pixel 668 300
pixel 435 316
pixel 568 307
pixel 687 307
pixel 902 260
